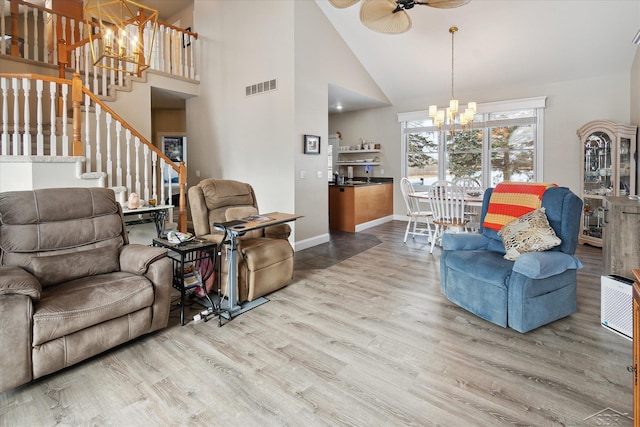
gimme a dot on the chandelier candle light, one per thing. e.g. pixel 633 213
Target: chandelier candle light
pixel 120 32
pixel 464 118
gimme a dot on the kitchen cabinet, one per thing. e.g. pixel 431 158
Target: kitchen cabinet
pixel 353 205
pixel 608 153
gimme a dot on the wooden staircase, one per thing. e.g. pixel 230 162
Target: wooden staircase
pixel 61 131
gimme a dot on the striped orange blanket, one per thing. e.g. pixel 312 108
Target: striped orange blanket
pixel 511 200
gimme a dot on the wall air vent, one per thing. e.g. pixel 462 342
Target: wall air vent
pixel 261 87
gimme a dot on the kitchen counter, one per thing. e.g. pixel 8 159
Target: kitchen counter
pixel 353 204
pixel 362 182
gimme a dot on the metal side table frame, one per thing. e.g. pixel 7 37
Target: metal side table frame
pixel 191 252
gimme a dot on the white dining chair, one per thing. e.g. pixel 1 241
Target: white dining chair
pixel 419 219
pixel 447 208
pixel 471 187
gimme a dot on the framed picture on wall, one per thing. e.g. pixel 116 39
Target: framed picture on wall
pixel 174 146
pixel 311 144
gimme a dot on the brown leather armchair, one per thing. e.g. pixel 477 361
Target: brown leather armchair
pixel 265 257
pixel 71 285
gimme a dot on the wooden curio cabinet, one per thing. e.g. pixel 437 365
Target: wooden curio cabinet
pixel 608 152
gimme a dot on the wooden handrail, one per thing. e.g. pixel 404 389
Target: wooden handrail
pixel 77 92
pixel 181 169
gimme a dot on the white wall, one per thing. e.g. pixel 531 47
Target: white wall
pixel 570 104
pixel 232 136
pixel 321 57
pixel 259 139
pixel 635 89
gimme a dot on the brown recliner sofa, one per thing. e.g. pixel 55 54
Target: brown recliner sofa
pixel 265 257
pixel 71 285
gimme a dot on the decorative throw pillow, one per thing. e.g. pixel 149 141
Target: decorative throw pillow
pixel 530 232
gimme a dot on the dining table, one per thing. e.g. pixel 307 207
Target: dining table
pixel 469 200
pixel 473 201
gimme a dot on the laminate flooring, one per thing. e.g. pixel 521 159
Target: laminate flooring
pixel 364 338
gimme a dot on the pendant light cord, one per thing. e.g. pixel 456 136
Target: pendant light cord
pixel 452 30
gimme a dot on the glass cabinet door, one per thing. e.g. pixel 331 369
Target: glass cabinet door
pixel 597 164
pixel 609 170
pixel 592 218
pixel 625 185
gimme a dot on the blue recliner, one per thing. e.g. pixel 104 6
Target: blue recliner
pixel 535 289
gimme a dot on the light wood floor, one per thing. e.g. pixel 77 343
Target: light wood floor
pixel 366 341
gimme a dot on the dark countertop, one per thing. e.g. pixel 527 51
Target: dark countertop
pixel 363 182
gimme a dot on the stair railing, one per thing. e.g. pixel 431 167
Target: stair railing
pixel 107 142
pixel 51 37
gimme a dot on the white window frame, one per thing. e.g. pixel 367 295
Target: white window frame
pixel 536 103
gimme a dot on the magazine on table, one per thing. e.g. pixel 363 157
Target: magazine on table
pixel 257 218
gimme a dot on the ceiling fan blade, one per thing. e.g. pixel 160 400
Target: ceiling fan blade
pixel 341 4
pixel 446 4
pixel 382 16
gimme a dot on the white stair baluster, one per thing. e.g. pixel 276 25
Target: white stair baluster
pixel 73 56
pixel 98 139
pixel 104 90
pixel 53 141
pixel 16 117
pixel 118 155
pixel 154 176
pixel 128 138
pixel 4 149
pixel 192 62
pixel 145 153
pixel 45 40
pixel 36 24
pixel 63 30
pixel 137 147
pixel 95 72
pixel 81 50
pixel 54 40
pixel 65 133
pixel 109 162
pixel 163 179
pixel 87 133
pixel 26 137
pixel 87 64
pixel 39 135
pixel 25 36
pixel 3 41
pixel 167 50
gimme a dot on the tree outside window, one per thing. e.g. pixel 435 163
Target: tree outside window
pixel 501 146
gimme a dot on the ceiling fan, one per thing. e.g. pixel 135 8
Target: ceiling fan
pixel 390 16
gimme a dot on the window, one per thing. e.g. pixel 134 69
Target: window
pixel 504 144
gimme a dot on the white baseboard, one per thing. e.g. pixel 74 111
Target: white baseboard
pixel 309 243
pixel 370 224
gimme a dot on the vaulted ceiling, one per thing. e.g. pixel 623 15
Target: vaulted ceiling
pixel 499 43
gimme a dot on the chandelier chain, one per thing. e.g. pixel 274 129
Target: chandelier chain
pixel 452 30
pixel 454 112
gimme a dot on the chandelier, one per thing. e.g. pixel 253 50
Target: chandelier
pixel 453 113
pixel 120 32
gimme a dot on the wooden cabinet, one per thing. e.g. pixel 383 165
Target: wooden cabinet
pixel 621 249
pixel 608 169
pixel 350 206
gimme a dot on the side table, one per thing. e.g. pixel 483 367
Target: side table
pixel 157 215
pixel 191 252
